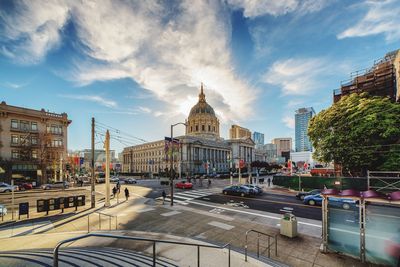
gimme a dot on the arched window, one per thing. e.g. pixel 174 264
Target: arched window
pixel 209 128
pixel 197 128
pixel 203 128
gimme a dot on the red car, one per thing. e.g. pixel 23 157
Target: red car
pixel 184 185
pixel 25 186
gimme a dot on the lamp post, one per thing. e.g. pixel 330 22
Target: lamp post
pixel 172 161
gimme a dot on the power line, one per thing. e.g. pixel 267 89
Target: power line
pixel 120 131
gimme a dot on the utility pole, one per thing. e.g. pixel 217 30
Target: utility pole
pixel 172 166
pixel 61 168
pixel 92 191
pixel 107 147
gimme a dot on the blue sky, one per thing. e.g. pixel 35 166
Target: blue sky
pixel 137 65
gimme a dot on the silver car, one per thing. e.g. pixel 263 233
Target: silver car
pixel 3 210
pixel 62 185
pixel 4 188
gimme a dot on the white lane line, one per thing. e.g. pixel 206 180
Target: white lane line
pixel 199 194
pixel 249 213
pixel 187 194
pixel 171 213
pixel 176 201
pixel 221 225
pixel 183 197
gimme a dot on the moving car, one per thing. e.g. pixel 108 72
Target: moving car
pixel 62 185
pixel 238 190
pixel 25 186
pixel 114 179
pixel 4 188
pixel 255 188
pixel 302 195
pixel 184 185
pixel 130 181
pixel 3 210
pixel 316 199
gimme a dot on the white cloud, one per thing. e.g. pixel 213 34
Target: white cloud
pixel 144 109
pixel 163 46
pixel 382 17
pixel 93 98
pixel 296 76
pixel 36 27
pixel 252 9
pixel 289 122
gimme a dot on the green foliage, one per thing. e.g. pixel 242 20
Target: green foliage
pixel 359 132
pixel 319 182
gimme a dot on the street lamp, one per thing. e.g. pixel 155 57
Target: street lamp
pixel 172 161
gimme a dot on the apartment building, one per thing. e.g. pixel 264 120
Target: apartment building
pixel 33 144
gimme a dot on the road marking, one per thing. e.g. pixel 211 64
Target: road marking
pixel 279 202
pixel 171 213
pixel 249 213
pixel 221 225
pixel 182 197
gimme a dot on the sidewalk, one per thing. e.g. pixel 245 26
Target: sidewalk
pixel 142 214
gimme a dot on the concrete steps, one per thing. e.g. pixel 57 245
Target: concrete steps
pixel 80 257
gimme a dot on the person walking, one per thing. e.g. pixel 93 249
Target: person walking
pixel 114 191
pixel 164 195
pixel 209 182
pixel 119 187
pixel 126 193
pixel 269 182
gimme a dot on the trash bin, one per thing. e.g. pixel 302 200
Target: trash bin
pixel 289 225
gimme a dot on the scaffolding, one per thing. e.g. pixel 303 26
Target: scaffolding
pixel 379 80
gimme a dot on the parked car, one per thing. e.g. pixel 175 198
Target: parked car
pixel 255 188
pixel 56 185
pixel 238 190
pixel 184 185
pixel 114 179
pixel 100 180
pixel 25 186
pixel 4 188
pixel 3 210
pixel 302 195
pixel 130 181
pixel 345 203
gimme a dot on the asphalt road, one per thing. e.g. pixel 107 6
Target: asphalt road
pixel 270 203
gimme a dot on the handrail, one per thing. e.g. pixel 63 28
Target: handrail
pixel 155 241
pixel 258 243
pixel 109 220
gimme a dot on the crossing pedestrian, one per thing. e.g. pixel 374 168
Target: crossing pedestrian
pixel 126 193
pixel 269 182
pixel 164 195
pixel 114 191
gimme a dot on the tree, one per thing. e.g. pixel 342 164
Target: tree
pixel 359 132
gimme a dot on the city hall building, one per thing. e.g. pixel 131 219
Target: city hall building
pixel 201 150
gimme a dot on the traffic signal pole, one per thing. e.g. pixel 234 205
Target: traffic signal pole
pixel 92 191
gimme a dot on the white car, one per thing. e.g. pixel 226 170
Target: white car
pixel 4 188
pixel 3 210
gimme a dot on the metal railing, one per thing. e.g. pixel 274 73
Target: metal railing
pixel 154 241
pixel 258 243
pixel 109 220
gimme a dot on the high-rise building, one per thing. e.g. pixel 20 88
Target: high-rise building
pixel 237 132
pixel 302 119
pixel 382 79
pixel 34 142
pixel 258 138
pixel 283 145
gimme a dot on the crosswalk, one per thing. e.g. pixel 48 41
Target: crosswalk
pixel 183 197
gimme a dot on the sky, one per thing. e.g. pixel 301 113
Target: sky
pixel 136 66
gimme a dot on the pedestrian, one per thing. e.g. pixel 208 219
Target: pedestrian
pixel 209 182
pixel 126 193
pixel 114 191
pixel 269 182
pixel 164 195
pixel 119 187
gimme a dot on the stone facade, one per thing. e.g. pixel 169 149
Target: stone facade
pixel 34 142
pixel 201 150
